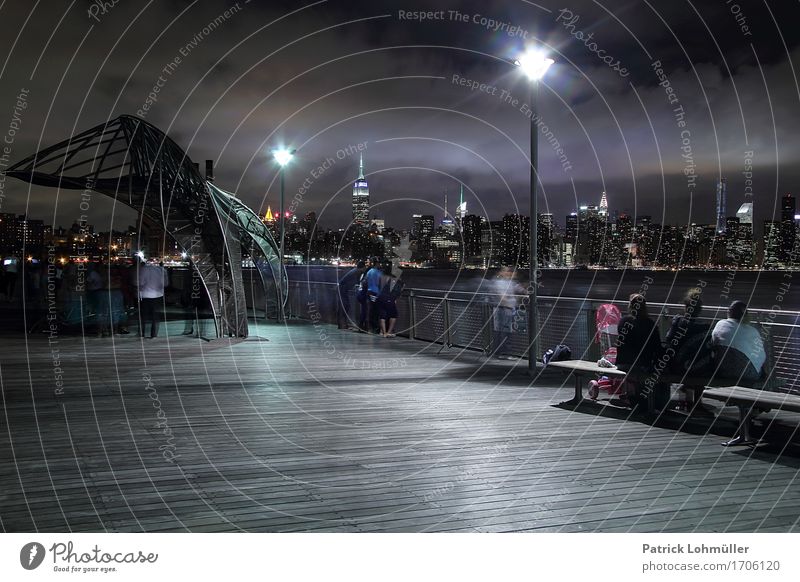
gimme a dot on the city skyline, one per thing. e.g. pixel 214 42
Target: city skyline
pixel 585 200
pixel 592 236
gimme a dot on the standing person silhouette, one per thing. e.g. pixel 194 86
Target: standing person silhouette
pixel 374 276
pixel 506 290
pixel 151 281
pixel 347 284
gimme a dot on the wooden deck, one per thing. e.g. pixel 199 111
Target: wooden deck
pixel 322 430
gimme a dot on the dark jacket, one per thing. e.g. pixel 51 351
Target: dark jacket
pixel 350 279
pixel 687 346
pixel 638 343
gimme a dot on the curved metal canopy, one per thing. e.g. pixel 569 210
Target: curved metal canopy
pixel 134 162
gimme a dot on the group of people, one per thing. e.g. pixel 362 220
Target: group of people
pixel 733 348
pixel 99 297
pixel 376 289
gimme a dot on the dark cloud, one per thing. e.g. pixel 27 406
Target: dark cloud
pixel 340 73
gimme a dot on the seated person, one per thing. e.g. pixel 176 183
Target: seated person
pixel 687 345
pixel 638 344
pixel 738 348
pixel 638 340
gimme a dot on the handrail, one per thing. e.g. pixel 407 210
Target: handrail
pixel 443 292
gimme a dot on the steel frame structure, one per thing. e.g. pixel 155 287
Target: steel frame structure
pixel 138 165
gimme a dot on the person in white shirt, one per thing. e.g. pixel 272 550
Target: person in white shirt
pixel 739 349
pixel 151 281
pixel 10 270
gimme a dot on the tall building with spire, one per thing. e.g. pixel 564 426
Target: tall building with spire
pixel 604 205
pixel 461 211
pixel 361 197
pixel 722 203
pixel 448 225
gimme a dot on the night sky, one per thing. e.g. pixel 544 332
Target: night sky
pixel 327 76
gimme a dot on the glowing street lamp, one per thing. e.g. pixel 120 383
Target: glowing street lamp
pixel 534 64
pixel 283 156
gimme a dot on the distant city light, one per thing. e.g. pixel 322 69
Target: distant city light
pixel 283 156
pixel 140 254
pixel 184 255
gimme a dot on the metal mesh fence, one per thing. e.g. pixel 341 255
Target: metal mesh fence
pixel 468 324
pixel 465 320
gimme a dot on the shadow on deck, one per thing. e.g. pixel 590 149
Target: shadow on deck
pixel 307 428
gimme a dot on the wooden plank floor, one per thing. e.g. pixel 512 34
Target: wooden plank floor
pixel 322 430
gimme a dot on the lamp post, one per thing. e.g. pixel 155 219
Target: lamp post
pixel 534 65
pixel 283 156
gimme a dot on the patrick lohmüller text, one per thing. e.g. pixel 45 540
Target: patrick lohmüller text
pixel 695 549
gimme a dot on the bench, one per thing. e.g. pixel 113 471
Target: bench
pixel 751 402
pixel 700 383
pixel 582 370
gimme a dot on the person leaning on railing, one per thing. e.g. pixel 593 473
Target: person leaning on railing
pixel 347 285
pixel 739 349
pixel 391 288
pixel 373 279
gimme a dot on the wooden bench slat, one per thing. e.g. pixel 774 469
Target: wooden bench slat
pixel 776 400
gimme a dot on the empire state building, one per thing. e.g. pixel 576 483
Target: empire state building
pixel 361 197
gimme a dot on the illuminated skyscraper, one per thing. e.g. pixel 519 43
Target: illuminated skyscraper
pixel 722 204
pixel 471 235
pixel 545 239
pixel 603 205
pixel 461 211
pixel 448 224
pixel 421 232
pixel 745 213
pixel 788 228
pixel 361 197
pixel 772 244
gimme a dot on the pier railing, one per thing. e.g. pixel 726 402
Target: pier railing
pixel 464 320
